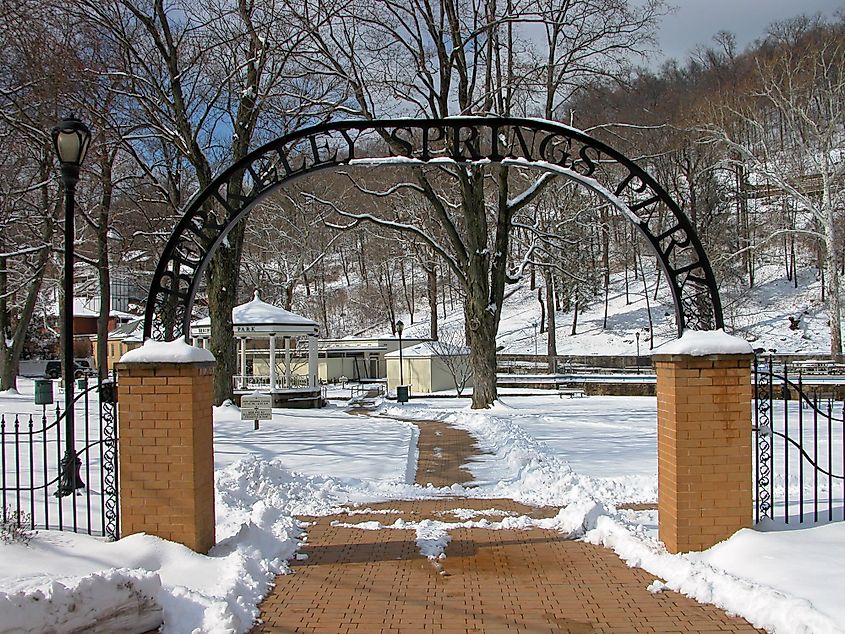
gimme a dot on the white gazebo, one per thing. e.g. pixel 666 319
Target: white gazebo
pixel 265 333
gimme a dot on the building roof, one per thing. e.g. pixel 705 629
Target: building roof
pixel 265 317
pixel 430 349
pixel 131 330
pixel 81 309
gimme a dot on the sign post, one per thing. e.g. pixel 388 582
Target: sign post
pixel 256 407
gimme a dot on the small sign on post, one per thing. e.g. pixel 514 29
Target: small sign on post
pixel 256 407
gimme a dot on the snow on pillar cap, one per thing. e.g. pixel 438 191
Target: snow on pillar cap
pixel 177 351
pixel 700 343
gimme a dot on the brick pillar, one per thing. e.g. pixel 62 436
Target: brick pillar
pixel 166 451
pixel 703 448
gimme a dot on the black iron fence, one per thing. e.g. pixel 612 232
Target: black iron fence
pixel 799 451
pixel 31 447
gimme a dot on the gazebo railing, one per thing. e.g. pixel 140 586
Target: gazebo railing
pixel 262 382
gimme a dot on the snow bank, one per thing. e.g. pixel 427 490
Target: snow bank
pixel 114 599
pixel 522 468
pixel 691 575
pixel 699 343
pixel 177 351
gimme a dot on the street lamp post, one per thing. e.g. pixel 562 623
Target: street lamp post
pixel 399 328
pixel 71 138
pixel 637 334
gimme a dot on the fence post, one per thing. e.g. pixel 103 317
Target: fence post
pixel 704 447
pixel 166 445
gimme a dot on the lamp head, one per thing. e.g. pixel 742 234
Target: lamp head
pixel 71 139
pixel 400 327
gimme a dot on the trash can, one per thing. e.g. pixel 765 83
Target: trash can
pixel 402 393
pixel 43 392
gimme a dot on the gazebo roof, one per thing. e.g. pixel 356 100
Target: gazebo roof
pixel 259 316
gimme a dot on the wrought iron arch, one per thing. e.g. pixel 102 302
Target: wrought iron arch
pixel 510 141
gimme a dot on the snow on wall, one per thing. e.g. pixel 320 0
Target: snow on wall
pixel 178 351
pixel 700 343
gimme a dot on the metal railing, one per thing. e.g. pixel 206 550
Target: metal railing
pixel 799 450
pixel 262 382
pixel 31 448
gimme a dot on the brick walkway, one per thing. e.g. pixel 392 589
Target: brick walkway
pixel 535 580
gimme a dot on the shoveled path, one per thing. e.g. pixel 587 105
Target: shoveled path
pixel 376 581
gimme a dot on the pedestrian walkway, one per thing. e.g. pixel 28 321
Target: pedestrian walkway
pixel 377 581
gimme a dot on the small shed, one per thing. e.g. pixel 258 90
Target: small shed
pixel 121 340
pixel 358 358
pixel 429 367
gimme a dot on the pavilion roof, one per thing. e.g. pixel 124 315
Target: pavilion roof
pixel 259 313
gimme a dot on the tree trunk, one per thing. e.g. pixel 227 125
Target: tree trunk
pixel 223 272
pixel 431 287
pixel 605 260
pixel 550 320
pixel 103 268
pixel 542 311
pixel 8 375
pixel 481 338
pixel 835 303
pixel 10 355
pixel 483 286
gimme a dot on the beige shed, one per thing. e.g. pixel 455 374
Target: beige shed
pixel 429 367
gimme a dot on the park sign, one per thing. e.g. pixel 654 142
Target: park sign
pixel 256 407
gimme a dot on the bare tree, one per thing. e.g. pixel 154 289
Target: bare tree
pixel 453 57
pixel 202 75
pixel 34 65
pixel 450 349
pixel 793 138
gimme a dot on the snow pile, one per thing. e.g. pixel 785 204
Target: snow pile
pixel 690 574
pixel 699 343
pixel 522 468
pixel 177 351
pixel 782 560
pixel 215 593
pixel 58 604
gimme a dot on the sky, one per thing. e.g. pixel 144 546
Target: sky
pixel 697 21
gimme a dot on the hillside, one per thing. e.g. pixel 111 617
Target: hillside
pixel 760 315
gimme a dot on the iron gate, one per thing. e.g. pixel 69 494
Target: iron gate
pixel 31 448
pixel 799 452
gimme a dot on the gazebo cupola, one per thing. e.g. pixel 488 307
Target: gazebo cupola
pixel 266 333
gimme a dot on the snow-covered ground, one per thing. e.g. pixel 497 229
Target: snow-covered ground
pixel 585 456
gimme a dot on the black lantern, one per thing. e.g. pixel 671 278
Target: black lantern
pixel 71 138
pixel 399 328
pixel 638 350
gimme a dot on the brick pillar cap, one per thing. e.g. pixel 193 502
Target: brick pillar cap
pixel 134 365
pixel 177 352
pixel 739 356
